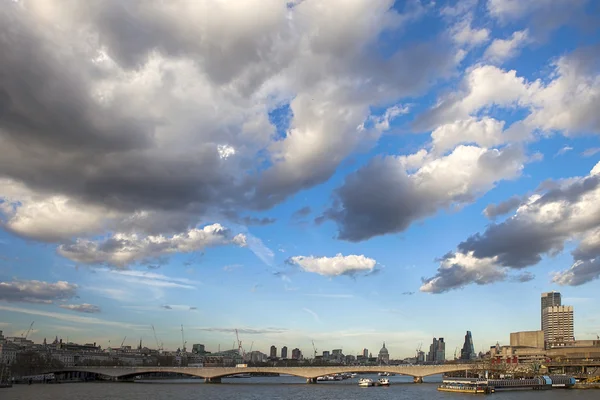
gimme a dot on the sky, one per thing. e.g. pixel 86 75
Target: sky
pixel 343 172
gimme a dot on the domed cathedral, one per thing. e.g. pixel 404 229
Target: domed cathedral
pixel 384 356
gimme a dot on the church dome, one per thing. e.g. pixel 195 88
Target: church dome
pixel 383 349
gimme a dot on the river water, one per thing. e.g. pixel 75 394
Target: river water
pixel 268 388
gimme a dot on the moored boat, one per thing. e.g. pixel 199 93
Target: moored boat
pixel 365 382
pixel 382 382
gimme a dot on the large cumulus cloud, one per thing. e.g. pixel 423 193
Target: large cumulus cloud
pixel 542 224
pixel 149 117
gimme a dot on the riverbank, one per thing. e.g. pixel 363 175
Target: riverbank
pixel 581 385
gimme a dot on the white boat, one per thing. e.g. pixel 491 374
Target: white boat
pixel 385 374
pixel 383 382
pixel 365 382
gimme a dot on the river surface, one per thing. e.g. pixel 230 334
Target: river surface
pixel 268 388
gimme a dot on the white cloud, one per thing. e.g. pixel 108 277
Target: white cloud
pixel 485 132
pixel 563 150
pixel 590 152
pixel 121 250
pixel 314 314
pixel 459 270
pixel 502 50
pixel 334 266
pixel 464 35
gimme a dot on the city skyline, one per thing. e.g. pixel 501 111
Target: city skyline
pixel 349 184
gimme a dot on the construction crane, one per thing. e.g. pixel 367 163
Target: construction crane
pixel 183 342
pixel 314 349
pixel 419 349
pixel 240 348
pixel 455 350
pixel 28 330
pixel 123 341
pixel 251 345
pixel 158 344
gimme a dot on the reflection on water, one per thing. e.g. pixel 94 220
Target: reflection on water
pixel 267 388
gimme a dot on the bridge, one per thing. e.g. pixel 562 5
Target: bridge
pixel 214 374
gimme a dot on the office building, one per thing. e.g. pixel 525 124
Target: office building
pixel 273 353
pixel 284 352
pixel 296 354
pixel 437 351
pixel 198 349
pixel 366 353
pixel 557 324
pixel 468 350
pixel 549 299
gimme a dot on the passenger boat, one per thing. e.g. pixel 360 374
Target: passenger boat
pixel 365 382
pixel 462 385
pixel 465 388
pixel 382 382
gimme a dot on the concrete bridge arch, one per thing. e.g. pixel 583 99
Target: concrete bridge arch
pixel 310 373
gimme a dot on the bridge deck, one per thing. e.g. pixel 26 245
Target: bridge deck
pixel 417 371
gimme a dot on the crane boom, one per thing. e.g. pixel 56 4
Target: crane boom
pixel 314 348
pixel 240 348
pixel 28 330
pixel 183 342
pixel 123 341
pixel 158 345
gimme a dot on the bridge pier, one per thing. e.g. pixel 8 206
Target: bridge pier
pixel 311 380
pixel 418 379
pixel 212 380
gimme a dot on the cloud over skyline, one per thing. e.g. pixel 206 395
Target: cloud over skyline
pixel 150 149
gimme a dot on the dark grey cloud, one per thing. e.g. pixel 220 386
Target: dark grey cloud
pixel 383 197
pixel 302 212
pixel 567 210
pixel 82 308
pixel 36 291
pixel 91 107
pixel 166 307
pixel 495 210
pixel 523 277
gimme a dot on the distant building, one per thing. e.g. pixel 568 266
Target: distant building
pixel 284 352
pixel 273 353
pixel 558 324
pixel 437 351
pixel 337 355
pixel 326 355
pixel 296 354
pixel 468 350
pixel 549 299
pixel 420 359
pixel 533 339
pixel 383 356
pixel 198 349
pixel 365 353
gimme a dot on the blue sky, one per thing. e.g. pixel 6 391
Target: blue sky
pixel 415 169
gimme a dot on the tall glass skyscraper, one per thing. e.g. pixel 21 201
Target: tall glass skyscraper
pixel 468 350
